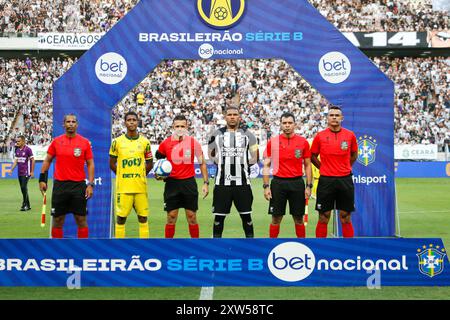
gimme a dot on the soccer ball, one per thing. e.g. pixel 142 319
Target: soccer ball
pixel 220 13
pixel 162 168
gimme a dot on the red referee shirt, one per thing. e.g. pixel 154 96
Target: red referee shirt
pixel 71 155
pixel 181 154
pixel 334 149
pixel 287 155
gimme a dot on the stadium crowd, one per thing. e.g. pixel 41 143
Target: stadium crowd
pixel 266 88
pixel 26 99
pixel 29 17
pixel 382 15
pixel 201 89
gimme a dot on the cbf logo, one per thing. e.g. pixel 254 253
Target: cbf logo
pixel 366 150
pixel 431 260
pixel 111 68
pixel 334 67
pixel 291 261
pixel 221 14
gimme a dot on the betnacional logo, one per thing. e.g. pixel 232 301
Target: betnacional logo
pixel 206 51
pixel 431 260
pixel 221 14
pixel 366 150
pixel 334 67
pixel 111 68
pixel 291 261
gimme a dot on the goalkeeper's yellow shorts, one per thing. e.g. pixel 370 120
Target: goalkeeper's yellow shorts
pixel 124 202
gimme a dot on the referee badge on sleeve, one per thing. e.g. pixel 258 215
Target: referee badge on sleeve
pixel 77 152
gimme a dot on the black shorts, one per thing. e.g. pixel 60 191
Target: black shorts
pixel 225 196
pixel 69 197
pixel 335 192
pixel 180 193
pixel 284 190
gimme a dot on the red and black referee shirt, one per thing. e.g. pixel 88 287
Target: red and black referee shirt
pixel 335 149
pixel 71 155
pixel 287 154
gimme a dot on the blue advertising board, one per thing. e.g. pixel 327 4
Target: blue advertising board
pixel 224 262
pixel 422 169
pixel 292 30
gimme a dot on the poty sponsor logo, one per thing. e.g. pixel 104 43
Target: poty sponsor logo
pixel 291 261
pixel 334 67
pixel 111 68
pixel 206 51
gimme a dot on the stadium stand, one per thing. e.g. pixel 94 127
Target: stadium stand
pixel 29 17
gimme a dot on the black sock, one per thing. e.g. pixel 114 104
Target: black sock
pixel 218 226
pixel 247 225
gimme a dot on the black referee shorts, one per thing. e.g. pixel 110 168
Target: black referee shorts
pixel 180 193
pixel 335 191
pixel 225 196
pixel 69 197
pixel 284 190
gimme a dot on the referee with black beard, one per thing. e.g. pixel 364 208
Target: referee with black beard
pixel 234 150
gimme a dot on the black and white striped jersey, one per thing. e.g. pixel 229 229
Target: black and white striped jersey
pixel 232 152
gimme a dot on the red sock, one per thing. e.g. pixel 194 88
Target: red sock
pixel 57 233
pixel 83 233
pixel 347 230
pixel 321 230
pixel 194 231
pixel 170 230
pixel 274 230
pixel 300 230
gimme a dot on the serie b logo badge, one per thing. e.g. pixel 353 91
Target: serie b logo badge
pixel 221 14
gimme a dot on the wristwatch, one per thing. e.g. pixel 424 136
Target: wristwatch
pixel 206 182
pixel 309 185
pixel 90 184
pixel 265 185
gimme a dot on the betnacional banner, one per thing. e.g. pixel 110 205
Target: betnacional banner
pixel 292 30
pixel 371 263
pixel 422 169
pixel 416 151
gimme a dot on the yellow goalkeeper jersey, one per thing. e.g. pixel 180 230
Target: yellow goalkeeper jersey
pixel 131 154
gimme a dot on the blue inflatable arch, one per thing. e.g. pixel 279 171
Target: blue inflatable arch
pixel 292 30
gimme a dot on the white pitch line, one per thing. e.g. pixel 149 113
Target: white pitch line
pixel 206 293
pixel 426 211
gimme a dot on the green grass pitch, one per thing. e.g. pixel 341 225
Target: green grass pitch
pixel 424 207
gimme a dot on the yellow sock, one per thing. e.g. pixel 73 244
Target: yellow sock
pixel 120 231
pixel 143 230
